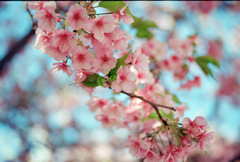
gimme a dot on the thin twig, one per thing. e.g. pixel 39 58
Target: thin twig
pixel 33 23
pixel 57 10
pixel 155 106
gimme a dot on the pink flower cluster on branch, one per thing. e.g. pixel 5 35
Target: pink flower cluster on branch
pixel 90 41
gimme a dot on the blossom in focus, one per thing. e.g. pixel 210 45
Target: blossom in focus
pixel 64 39
pixel 122 13
pixel 64 67
pixel 82 58
pixel 140 61
pixel 77 17
pixel 125 80
pixel 47 18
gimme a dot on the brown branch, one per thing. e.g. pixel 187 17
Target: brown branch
pixel 13 51
pixel 154 105
pixel 33 23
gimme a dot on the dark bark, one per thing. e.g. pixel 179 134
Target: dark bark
pixel 13 51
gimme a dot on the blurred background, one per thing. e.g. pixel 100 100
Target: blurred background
pixel 43 116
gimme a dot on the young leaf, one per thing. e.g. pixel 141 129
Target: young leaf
pixel 144 33
pixel 203 61
pixel 101 81
pixel 91 80
pixel 154 115
pixel 120 62
pixel 143 24
pixel 175 99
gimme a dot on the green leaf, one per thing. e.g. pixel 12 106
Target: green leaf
pixel 112 6
pixel 144 33
pixel 120 62
pixel 203 61
pixel 101 81
pixel 208 59
pixel 143 24
pixel 91 80
pixel 154 115
pixel 175 99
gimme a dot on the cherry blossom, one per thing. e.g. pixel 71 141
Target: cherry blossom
pixel 122 13
pixel 47 18
pixel 140 61
pixel 125 80
pixel 82 58
pixel 64 67
pixel 101 25
pixel 77 17
pixel 204 140
pixel 106 61
pixel 195 127
pixel 64 39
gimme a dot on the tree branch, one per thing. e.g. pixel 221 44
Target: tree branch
pixel 154 105
pixel 33 23
pixel 8 57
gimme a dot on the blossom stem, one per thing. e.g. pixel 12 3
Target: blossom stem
pixel 85 31
pixel 161 141
pixel 60 11
pixel 62 26
pixel 104 13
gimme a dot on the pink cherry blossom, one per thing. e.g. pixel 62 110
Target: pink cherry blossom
pixel 151 157
pixel 122 13
pixel 175 61
pixel 106 121
pixel 140 61
pixel 101 25
pixel 122 43
pixel 115 35
pixel 154 49
pixel 196 127
pixel 47 18
pixel 215 49
pixel 190 84
pixel 64 67
pixel 144 77
pixel 150 90
pixel 96 103
pixel 180 110
pixel 183 47
pixel 166 100
pixel 43 40
pixel 132 115
pixel 125 80
pixel 113 110
pixel 82 58
pixel 56 53
pixel 136 145
pixel 64 39
pixel 36 5
pixel 105 60
pixel 204 140
pixel 77 17
pixel 123 124
pixel 165 65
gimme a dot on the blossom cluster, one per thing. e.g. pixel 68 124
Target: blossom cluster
pixel 90 44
